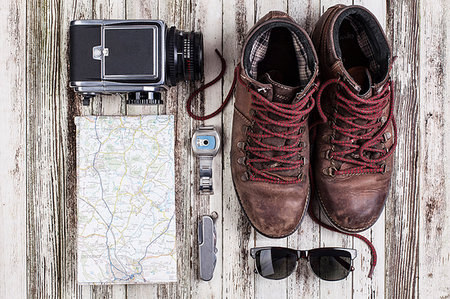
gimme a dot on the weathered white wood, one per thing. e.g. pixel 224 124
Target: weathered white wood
pixel 13 215
pixel 305 13
pixel 434 194
pixel 71 105
pixel 50 185
pixel 208 21
pixel 237 236
pixel 402 210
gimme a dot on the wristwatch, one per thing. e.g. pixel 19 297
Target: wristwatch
pixel 205 145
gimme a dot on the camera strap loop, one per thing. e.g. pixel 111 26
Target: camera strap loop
pixel 203 87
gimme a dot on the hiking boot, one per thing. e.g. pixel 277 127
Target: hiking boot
pixel 270 143
pixel 357 136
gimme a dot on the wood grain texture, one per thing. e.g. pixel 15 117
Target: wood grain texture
pixel 38 156
pixel 402 211
pixel 13 274
pixel 434 125
pixel 51 201
pixel 208 21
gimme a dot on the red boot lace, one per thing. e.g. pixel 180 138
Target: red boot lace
pixel 370 110
pixel 292 117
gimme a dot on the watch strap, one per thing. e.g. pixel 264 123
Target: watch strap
pixel 206 184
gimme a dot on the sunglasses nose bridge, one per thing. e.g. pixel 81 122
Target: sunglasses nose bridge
pixel 302 254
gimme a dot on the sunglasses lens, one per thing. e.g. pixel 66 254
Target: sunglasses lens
pixel 276 263
pixel 330 264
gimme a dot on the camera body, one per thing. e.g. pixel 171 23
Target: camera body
pixel 139 57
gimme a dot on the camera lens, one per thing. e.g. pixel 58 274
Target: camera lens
pixel 184 56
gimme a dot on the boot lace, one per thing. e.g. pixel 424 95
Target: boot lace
pixel 268 115
pixel 362 145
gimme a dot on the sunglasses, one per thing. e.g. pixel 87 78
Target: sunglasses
pixel 327 263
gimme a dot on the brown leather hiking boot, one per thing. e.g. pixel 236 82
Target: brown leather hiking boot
pixel 270 143
pixel 354 145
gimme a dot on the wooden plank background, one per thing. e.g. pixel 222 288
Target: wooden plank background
pixel 37 169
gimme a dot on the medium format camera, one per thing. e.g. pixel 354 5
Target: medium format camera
pixel 137 57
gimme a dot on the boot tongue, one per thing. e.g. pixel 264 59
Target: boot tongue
pixel 281 93
pixel 361 76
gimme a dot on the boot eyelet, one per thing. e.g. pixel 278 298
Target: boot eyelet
pixel 331 171
pixel 328 155
pixel 386 136
pixel 241 145
pixel 303 160
pixel 245 177
pixel 241 160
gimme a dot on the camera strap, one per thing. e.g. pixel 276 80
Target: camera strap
pixel 205 86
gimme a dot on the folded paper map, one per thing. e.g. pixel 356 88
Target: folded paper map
pixel 126 199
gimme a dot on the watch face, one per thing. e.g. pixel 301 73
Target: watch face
pixel 205 142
